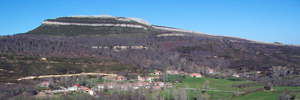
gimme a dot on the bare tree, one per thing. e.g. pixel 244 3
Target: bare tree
pixel 206 85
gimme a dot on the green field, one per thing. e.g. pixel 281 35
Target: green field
pixel 285 88
pixel 219 84
pixel 192 94
pixel 258 96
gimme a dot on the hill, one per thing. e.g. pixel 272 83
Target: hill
pixel 137 43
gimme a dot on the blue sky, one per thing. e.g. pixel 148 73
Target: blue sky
pixel 261 20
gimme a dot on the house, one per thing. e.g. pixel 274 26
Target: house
pixel 74 88
pixel 182 72
pixel 156 77
pixel 110 85
pixel 69 89
pixel 156 88
pixel 121 78
pixel 140 78
pixel 236 75
pixel 157 73
pixel 195 75
pixel 44 84
pixel 258 72
pixel 125 87
pixel 100 86
pixel 141 84
pixel 148 79
pixel 87 90
pixel 135 87
pixel 172 72
pixel 160 84
pixel 211 71
pixel 148 86
pixel 44 59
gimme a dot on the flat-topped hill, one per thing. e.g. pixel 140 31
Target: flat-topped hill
pixel 137 43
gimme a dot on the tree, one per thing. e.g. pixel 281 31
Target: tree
pixel 206 85
pixel 199 94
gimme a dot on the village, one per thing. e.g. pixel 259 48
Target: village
pixel 151 82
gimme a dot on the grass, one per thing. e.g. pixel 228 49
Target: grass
pixel 217 95
pixel 193 94
pixel 285 88
pixel 258 96
pixel 213 83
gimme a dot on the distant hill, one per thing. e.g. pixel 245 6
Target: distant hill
pixel 134 43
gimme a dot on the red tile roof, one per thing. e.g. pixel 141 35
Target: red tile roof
pixel 120 77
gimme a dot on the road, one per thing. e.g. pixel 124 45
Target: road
pixel 47 76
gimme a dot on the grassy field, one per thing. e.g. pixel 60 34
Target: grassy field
pixel 219 84
pixel 258 96
pixel 285 88
pixel 213 94
pixel 193 94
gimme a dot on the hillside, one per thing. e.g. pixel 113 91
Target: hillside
pixel 137 43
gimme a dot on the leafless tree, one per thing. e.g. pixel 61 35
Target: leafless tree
pixel 206 85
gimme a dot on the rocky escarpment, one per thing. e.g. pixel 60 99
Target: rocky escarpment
pixel 92 25
pixel 100 25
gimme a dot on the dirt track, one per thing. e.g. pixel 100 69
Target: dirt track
pixel 46 76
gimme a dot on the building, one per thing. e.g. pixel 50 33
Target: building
pixel 69 89
pixel 100 86
pixel 157 73
pixel 182 72
pixel 140 78
pixel 160 84
pixel 172 72
pixel 236 75
pixel 110 85
pixel 148 86
pixel 258 72
pixel 121 78
pixel 210 71
pixel 135 87
pixel 44 84
pixel 156 88
pixel 148 79
pixel 195 75
pixel 87 90
pixel 125 87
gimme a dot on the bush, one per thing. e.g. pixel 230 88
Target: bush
pixel 294 96
pixel 268 86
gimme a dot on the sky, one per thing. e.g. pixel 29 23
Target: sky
pixel 260 20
